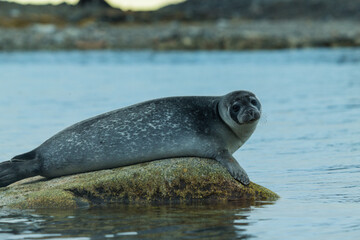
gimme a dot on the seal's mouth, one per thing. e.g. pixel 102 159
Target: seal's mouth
pixel 249 116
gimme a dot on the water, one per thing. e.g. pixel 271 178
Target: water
pixel 306 147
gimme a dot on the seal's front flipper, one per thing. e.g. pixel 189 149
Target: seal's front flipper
pixel 233 167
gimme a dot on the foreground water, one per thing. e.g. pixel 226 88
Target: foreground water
pixel 306 147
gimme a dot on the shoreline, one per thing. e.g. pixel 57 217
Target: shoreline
pixel 215 35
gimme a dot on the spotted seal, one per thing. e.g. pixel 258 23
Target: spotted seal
pixel 209 127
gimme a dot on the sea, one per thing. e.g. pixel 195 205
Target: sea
pixel 306 147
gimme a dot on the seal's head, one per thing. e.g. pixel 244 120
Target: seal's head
pixel 240 110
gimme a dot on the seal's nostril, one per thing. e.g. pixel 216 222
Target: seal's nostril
pixel 251 112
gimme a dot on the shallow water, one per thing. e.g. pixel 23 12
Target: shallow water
pixel 306 147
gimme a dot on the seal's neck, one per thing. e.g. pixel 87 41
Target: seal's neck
pixel 244 131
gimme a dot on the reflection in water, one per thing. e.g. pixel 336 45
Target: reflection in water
pixel 189 221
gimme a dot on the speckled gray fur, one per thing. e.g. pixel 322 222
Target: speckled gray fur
pixel 156 129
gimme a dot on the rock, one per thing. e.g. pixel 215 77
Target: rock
pixel 170 180
pixel 44 28
pixel 200 10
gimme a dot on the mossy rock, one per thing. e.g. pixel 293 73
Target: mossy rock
pixel 169 180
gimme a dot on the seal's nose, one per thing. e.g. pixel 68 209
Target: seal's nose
pixel 252 114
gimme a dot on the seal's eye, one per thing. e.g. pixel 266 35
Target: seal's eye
pixel 254 102
pixel 235 107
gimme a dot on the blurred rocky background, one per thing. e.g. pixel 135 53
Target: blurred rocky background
pixel 190 25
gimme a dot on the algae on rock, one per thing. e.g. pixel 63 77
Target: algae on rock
pixel 168 180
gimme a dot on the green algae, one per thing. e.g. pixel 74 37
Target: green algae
pixel 169 180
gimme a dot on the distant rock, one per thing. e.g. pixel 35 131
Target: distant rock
pixel 205 10
pixel 261 9
pixel 93 3
pixel 17 15
pixel 170 180
pixel 13 15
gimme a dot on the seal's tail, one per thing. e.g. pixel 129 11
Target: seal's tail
pixel 17 169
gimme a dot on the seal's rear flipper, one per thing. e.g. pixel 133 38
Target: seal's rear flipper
pixel 17 169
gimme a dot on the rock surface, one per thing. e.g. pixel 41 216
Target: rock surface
pixel 165 181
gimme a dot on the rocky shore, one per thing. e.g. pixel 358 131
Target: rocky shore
pixel 181 180
pixel 191 25
pixel 219 35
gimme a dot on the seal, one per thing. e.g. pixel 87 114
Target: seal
pixel 208 127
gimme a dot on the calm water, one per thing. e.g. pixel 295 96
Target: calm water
pixel 306 147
